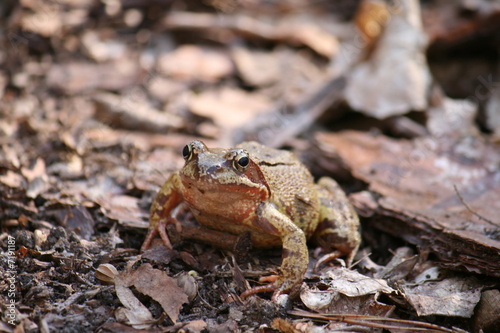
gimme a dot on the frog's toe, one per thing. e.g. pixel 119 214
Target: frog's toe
pixel 260 289
pixel 326 258
pixel 278 287
pixel 160 229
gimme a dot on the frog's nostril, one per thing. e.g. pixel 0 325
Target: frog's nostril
pixel 215 169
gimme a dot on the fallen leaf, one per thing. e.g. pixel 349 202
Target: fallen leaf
pixel 229 107
pixel 123 112
pixel 319 40
pixel 352 283
pixel 102 50
pixel 486 315
pixel 256 68
pixel 492 111
pixel 456 296
pixel 74 218
pixel 46 21
pixel 123 208
pixel 396 78
pixel 191 62
pixel 12 179
pixel 36 171
pixel 348 292
pixel 78 77
pixel 134 313
pixel 452 118
pixel 157 285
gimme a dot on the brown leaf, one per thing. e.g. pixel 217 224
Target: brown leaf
pixel 12 179
pixel 123 112
pixel 492 111
pixel 77 219
pixel 190 62
pixel 134 313
pixel 159 286
pixel 77 77
pixel 398 62
pixel 348 292
pixel 123 208
pixel 487 316
pixel 289 29
pixel 452 118
pixel 256 68
pixel 455 296
pixel 229 107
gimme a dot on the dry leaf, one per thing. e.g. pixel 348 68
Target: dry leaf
pixel 257 68
pixel 346 289
pixel 492 111
pixel 134 313
pixel 123 208
pixel 12 179
pixel 229 107
pixel 78 77
pixel 395 79
pixel 102 50
pixel 190 62
pixel 452 118
pixel 316 38
pixel 352 283
pixel 128 113
pixel 456 296
pixel 46 21
pixel 157 285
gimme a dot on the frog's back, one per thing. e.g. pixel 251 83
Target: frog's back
pixel 291 183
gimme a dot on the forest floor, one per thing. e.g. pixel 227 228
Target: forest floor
pixel 399 101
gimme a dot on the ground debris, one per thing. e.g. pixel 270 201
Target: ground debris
pixel 98 99
pixel 414 182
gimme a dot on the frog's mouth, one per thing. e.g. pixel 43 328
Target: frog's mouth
pixel 224 189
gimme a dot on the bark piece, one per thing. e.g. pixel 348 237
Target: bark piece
pixel 416 182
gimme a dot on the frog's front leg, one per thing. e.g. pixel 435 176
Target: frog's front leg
pixel 295 256
pixel 160 214
pixel 338 228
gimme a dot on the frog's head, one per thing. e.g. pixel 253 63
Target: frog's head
pixel 222 170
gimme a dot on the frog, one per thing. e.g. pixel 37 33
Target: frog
pixel 266 193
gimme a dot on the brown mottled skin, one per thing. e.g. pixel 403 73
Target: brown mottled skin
pixel 264 191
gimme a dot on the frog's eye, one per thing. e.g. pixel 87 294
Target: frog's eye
pixel 241 161
pixel 187 152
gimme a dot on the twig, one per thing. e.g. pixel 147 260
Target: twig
pixel 377 322
pixel 470 209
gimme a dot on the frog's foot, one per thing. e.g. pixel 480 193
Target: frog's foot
pixel 160 229
pixel 277 286
pixel 326 258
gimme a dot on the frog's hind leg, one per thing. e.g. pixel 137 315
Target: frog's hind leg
pixel 338 229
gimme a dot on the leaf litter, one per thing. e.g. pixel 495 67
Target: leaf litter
pixel 98 99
